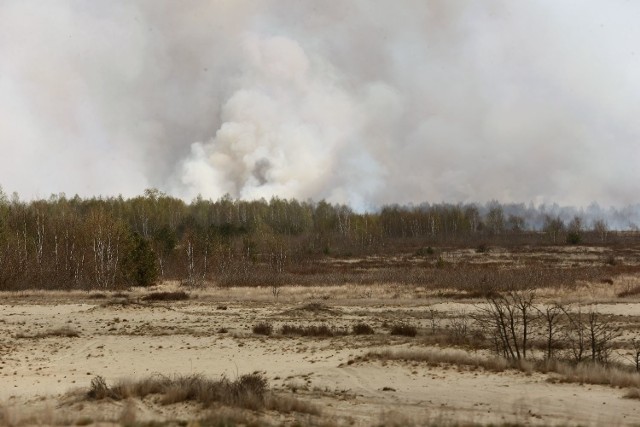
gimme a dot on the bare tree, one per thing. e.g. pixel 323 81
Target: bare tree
pixel 551 315
pixel 601 229
pixel 509 319
pixel 590 335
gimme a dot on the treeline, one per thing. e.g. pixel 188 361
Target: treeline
pixel 75 243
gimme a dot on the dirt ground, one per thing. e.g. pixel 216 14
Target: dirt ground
pixel 122 336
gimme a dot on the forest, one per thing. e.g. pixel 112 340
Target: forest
pixel 113 243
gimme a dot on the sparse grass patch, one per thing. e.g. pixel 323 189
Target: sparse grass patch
pixel 263 328
pixel 404 329
pixel 166 296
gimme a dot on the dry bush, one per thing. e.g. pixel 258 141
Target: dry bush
pixel 166 296
pixel 99 390
pixel 362 329
pixel 312 330
pixel 404 329
pixel 263 328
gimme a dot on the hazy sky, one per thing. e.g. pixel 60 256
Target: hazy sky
pixel 363 102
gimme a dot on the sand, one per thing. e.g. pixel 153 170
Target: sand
pixel 211 335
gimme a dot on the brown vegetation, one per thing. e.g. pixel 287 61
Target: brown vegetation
pixel 250 391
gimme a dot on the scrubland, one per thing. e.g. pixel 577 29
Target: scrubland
pixel 530 335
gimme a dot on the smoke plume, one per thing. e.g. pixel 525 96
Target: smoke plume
pixel 360 102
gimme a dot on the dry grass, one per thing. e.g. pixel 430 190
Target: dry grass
pixel 437 357
pixel 249 391
pixel 583 373
pixel 64 331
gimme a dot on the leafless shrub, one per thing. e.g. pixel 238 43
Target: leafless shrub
pixel 590 335
pixel 636 353
pixel 362 329
pixel 166 296
pixel 404 329
pixel 460 327
pixel 275 290
pixel 551 316
pixel 508 319
pixel 263 328
pixel 434 319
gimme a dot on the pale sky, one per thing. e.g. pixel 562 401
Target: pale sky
pixel 362 102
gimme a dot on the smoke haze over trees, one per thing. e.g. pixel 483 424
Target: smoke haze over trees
pixel 363 103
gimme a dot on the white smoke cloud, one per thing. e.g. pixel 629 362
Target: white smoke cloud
pixel 290 128
pixel 359 102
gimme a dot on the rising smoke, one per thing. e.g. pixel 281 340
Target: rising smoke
pixel 359 102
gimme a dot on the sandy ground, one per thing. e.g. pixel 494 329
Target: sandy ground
pixel 211 334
